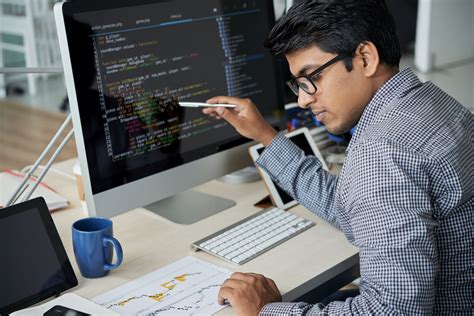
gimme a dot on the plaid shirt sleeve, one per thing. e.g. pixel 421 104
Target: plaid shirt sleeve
pixel 390 215
pixel 301 176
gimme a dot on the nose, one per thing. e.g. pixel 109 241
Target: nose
pixel 304 99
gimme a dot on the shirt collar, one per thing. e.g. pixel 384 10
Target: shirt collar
pixel 395 88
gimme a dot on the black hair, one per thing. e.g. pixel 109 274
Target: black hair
pixel 337 26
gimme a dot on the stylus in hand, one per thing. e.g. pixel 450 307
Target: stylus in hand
pixel 205 105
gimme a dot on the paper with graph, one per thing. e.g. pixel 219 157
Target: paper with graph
pixel 188 286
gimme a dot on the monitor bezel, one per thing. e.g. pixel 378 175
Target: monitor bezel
pixel 228 158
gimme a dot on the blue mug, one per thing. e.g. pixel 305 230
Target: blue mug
pixel 93 246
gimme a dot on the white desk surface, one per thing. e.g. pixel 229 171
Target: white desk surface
pixel 150 242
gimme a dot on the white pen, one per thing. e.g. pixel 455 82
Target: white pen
pixel 203 104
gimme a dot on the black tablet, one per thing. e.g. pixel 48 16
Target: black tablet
pixel 34 265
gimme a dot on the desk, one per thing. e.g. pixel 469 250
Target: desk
pixel 149 242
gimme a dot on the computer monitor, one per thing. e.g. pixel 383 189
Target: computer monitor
pixel 127 62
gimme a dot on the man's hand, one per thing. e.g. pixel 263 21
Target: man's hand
pixel 245 118
pixel 248 292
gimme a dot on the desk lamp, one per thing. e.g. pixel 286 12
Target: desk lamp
pixel 23 185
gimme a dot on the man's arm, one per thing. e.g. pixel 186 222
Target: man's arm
pixel 301 176
pixel 390 208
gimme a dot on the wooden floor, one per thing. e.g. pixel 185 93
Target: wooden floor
pixel 25 132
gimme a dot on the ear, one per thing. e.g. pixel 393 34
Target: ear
pixel 369 57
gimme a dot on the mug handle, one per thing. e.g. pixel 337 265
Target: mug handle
pixel 118 250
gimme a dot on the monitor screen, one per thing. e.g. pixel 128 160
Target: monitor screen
pixel 132 60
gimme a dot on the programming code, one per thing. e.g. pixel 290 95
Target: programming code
pixel 133 65
pixel 147 65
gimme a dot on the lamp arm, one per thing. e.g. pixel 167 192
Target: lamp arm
pixel 20 188
pixel 48 165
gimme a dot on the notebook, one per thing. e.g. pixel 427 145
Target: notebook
pixel 10 180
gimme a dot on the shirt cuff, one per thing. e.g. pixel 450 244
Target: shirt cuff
pixel 272 159
pixel 277 309
pixel 299 308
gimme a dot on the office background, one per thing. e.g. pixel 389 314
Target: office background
pixel 33 94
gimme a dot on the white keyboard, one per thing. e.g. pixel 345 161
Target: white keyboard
pixel 253 236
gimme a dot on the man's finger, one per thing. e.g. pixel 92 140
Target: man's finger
pixel 225 294
pixel 243 275
pixel 227 114
pixel 248 278
pixel 273 285
pixel 209 110
pixel 233 283
pixel 225 99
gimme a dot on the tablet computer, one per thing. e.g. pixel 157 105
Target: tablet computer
pixel 34 264
pixel 303 139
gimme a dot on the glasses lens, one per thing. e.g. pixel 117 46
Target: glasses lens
pixel 306 85
pixel 293 86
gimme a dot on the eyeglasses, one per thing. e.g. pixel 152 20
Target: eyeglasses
pixel 306 82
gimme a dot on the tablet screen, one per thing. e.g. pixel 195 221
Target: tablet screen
pixel 301 141
pixel 34 265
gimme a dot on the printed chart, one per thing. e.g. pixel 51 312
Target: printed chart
pixel 188 287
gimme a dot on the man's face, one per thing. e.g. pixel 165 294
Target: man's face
pixel 341 96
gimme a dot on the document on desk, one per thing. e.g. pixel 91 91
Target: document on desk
pixel 188 286
pixel 10 180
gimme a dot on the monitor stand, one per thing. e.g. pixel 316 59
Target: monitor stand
pixel 189 206
pixel 245 175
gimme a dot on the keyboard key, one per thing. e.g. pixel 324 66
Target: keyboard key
pixel 252 237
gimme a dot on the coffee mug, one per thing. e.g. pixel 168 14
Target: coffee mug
pixel 93 246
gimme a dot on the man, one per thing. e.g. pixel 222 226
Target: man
pixel 405 193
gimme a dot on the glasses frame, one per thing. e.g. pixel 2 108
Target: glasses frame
pixel 294 85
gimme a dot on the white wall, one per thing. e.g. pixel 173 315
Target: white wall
pixel 445 33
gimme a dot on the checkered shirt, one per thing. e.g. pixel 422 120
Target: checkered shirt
pixel 404 198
